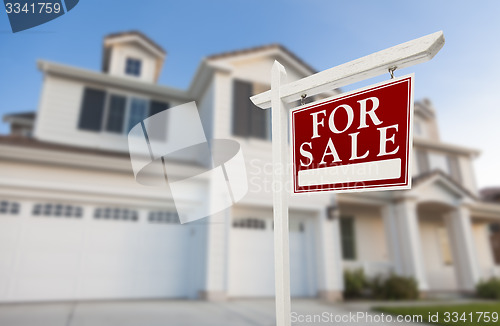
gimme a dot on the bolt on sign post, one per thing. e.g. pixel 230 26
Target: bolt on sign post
pixel 367 130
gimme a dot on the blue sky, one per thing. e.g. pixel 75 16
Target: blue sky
pixel 462 80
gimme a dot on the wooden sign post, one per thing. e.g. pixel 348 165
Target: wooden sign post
pixel 400 56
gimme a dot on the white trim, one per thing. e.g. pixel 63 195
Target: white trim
pixel 445 147
pixel 401 56
pixel 135 38
pixel 112 81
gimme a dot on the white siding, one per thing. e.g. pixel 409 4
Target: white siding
pixel 57 117
pixel 438 161
pixel 206 107
pixel 371 244
pixel 467 173
pixel 119 56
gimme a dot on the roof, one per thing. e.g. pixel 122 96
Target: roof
pixel 441 146
pixel 491 194
pixel 261 48
pixel 139 34
pixel 21 141
pixel 419 179
pixel 115 81
pixel 21 115
pixel 21 118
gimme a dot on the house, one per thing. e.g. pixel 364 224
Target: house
pixel 74 224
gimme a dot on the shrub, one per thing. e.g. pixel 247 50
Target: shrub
pixel 354 283
pixel 489 289
pixel 394 287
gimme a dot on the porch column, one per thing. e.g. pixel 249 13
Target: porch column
pixel 459 227
pixel 392 237
pixel 330 269
pixel 410 246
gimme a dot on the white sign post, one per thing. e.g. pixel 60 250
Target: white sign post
pixel 400 56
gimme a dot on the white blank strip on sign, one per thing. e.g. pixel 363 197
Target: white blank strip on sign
pixel 368 171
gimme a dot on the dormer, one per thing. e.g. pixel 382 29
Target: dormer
pixel 425 123
pixel 132 55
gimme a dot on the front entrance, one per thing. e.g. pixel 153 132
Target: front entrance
pixel 251 258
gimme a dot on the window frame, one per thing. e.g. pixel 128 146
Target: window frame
pixel 139 64
pixel 352 238
pixel 129 110
pixel 107 108
pixel 110 91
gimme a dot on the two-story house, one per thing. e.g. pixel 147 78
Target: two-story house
pixel 75 225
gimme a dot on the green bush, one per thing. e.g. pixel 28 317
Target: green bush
pixel 489 289
pixel 354 283
pixel 394 287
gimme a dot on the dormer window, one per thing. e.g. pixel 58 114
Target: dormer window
pixel 133 67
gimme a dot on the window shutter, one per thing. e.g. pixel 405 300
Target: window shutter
pixel 92 109
pixel 156 107
pixel 241 108
pixel 260 120
pixel 422 161
pixel 116 113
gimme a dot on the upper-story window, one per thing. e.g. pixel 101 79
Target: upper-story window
pixel 139 109
pixel 116 113
pixel 248 120
pixel 133 67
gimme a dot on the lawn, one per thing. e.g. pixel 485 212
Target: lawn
pixel 456 315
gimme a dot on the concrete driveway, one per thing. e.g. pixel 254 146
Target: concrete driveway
pixel 175 313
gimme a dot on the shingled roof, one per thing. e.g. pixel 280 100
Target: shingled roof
pixel 261 48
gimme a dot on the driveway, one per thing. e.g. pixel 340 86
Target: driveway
pixel 179 313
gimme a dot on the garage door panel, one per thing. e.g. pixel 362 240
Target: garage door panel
pixel 57 258
pixel 51 235
pixel 9 231
pixel 46 288
pixel 48 263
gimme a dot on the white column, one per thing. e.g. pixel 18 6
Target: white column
pixel 391 231
pixel 459 227
pixel 217 256
pixel 330 269
pixel 410 242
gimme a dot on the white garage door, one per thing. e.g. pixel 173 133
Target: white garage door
pixel 251 257
pixel 51 251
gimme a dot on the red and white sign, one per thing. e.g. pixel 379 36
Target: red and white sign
pixel 357 141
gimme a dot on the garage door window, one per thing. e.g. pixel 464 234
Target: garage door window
pixel 250 223
pixel 9 207
pixel 165 217
pixel 119 214
pixel 57 210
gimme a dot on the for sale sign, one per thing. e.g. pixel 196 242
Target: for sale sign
pixel 358 141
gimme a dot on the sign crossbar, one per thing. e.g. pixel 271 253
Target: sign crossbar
pixel 400 56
